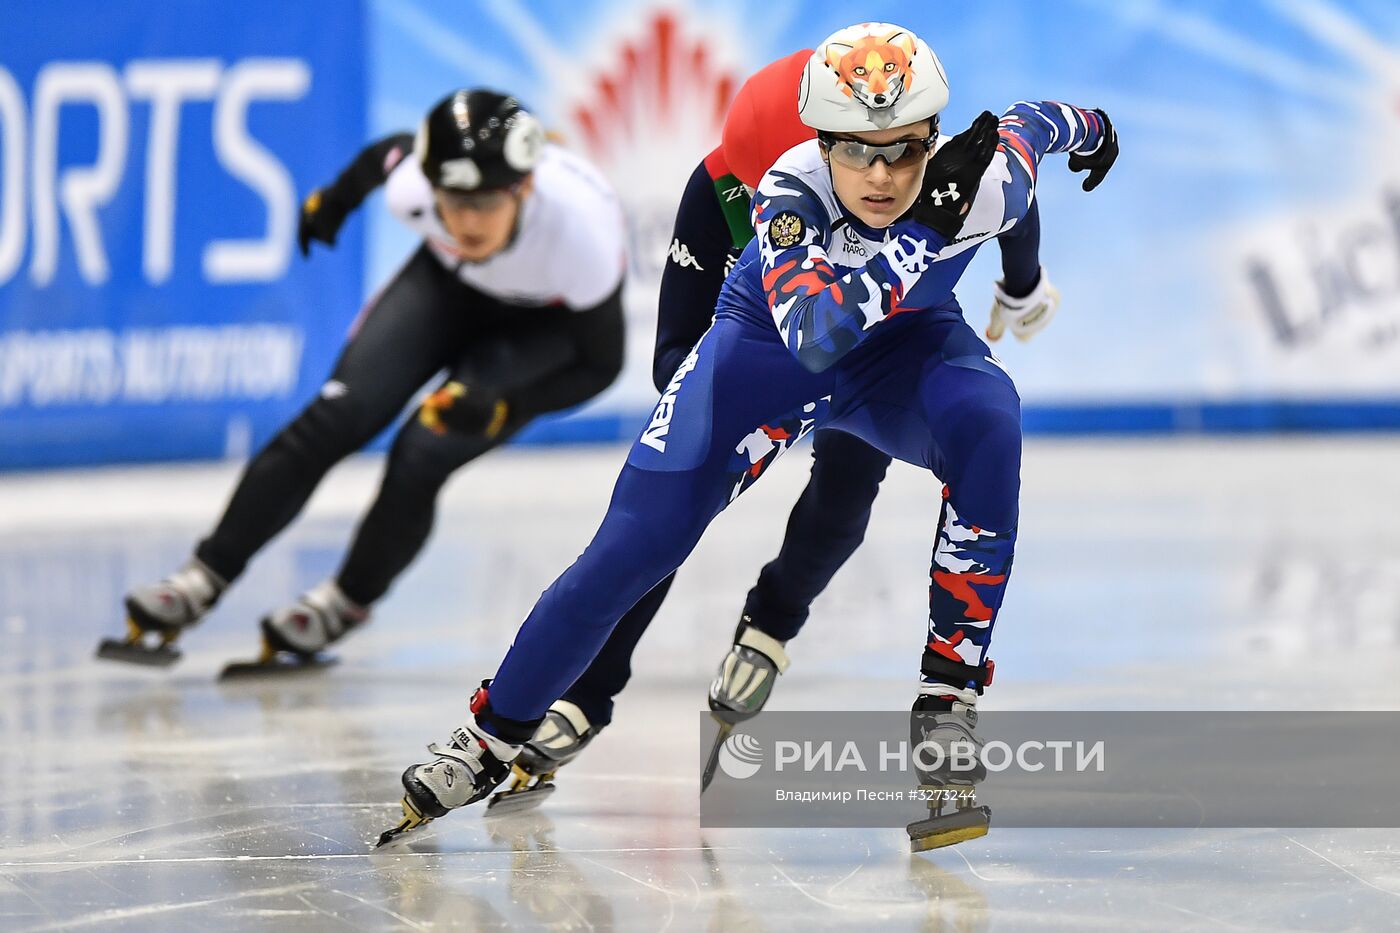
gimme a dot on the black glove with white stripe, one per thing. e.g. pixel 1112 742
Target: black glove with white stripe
pixel 1098 162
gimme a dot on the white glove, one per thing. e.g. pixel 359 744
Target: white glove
pixel 1026 316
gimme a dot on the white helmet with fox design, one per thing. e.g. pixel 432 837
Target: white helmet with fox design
pixel 871 76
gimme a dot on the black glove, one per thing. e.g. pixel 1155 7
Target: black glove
pixel 322 214
pixel 325 209
pixel 953 174
pixel 1101 159
pixel 471 410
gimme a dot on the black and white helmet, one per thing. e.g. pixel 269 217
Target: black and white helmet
pixel 478 140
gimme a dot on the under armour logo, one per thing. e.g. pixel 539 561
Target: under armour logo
pixel 951 194
pixel 682 256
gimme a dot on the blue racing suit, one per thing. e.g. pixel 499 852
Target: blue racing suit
pixel 824 323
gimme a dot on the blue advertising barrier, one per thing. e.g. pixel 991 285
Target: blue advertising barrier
pixel 152 302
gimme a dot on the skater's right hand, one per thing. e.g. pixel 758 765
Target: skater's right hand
pixel 322 214
pixel 476 411
pixel 953 175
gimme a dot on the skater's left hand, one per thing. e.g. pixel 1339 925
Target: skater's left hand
pixel 1025 316
pixel 1098 162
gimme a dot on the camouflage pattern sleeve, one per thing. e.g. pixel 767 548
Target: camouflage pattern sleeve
pixel 820 314
pixel 1030 130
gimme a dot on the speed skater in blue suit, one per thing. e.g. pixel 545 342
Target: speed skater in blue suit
pixel 829 520
pixel 840 315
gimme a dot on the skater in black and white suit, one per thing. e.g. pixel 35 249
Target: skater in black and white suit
pixel 515 293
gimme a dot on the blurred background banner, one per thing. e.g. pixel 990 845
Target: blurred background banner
pixel 152 305
pixel 1239 269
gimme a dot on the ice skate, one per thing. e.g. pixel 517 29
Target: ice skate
pixel 294 638
pixel 742 686
pixel 949 768
pixel 157 614
pixel 471 765
pixel 564 733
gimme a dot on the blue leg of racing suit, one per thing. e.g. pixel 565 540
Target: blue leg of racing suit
pixel 927 393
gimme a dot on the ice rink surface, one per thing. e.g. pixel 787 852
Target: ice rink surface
pixel 1232 574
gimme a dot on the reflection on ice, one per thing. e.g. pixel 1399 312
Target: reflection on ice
pixel 1178 575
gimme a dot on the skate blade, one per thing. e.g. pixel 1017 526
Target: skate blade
pixel 111 649
pixel 139 647
pixel 276 664
pixel 712 763
pixel 526 792
pixel 412 819
pixel 937 832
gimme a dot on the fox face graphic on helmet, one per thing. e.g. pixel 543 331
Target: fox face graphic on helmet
pixel 870 76
pixel 874 69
